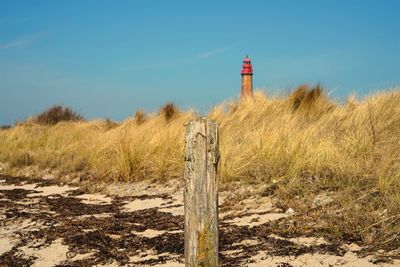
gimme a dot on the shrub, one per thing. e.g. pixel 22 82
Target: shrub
pixel 110 124
pixel 56 114
pixel 140 117
pixel 169 111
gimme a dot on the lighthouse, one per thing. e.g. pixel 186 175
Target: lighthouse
pixel 247 78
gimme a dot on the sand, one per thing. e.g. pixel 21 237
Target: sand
pixel 47 256
pixel 310 260
pixel 45 224
pixel 95 199
pixel 140 204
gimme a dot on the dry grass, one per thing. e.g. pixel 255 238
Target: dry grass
pixel 300 146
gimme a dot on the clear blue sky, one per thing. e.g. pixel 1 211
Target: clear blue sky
pixel 110 58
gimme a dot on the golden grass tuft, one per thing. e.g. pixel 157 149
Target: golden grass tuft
pixel 310 101
pixel 299 146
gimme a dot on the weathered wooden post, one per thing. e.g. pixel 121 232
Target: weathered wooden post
pixel 201 193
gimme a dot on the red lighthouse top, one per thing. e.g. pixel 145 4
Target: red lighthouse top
pixel 247 67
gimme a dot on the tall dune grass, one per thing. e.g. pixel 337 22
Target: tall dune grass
pixel 300 145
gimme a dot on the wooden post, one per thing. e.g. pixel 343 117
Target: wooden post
pixel 201 193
